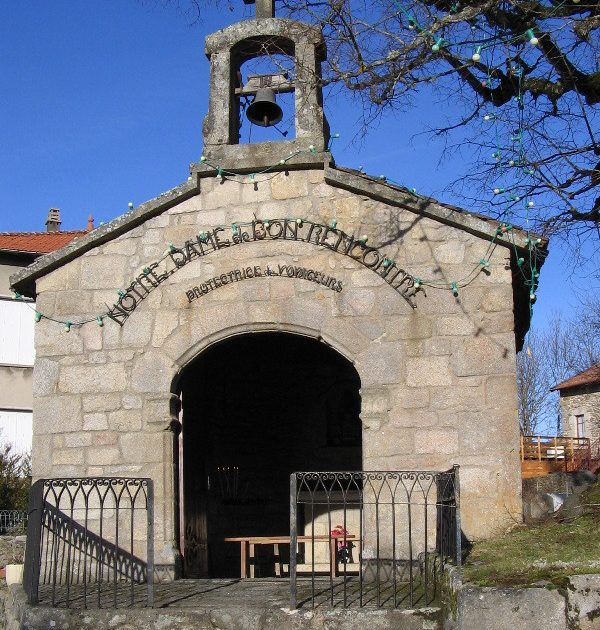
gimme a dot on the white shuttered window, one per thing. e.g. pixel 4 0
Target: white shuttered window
pixel 16 428
pixel 16 333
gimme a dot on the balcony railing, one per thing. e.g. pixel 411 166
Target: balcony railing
pixel 12 522
pixel 543 454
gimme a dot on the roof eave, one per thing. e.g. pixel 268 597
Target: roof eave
pixel 21 252
pixel 426 206
pixel 24 280
pixel 516 241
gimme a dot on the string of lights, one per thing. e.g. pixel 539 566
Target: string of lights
pixel 513 170
pixel 480 44
pixel 515 191
pixel 274 170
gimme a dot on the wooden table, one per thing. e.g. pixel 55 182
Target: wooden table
pixel 248 543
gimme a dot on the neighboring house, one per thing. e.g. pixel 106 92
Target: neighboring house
pixel 580 403
pixel 18 250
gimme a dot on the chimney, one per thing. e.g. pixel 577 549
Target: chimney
pixel 90 224
pixel 53 221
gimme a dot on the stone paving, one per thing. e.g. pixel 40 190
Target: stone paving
pixel 258 593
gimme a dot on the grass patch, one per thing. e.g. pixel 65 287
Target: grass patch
pixel 549 551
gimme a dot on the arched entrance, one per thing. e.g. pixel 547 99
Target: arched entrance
pixel 255 408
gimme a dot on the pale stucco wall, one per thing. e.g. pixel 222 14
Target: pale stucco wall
pixel 438 381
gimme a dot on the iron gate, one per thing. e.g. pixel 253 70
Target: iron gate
pixel 90 541
pixel 373 538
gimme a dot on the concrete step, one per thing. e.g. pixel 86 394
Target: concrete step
pixel 243 605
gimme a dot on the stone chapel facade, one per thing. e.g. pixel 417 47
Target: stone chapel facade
pixel 229 254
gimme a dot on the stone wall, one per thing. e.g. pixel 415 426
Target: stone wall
pixel 574 607
pixel 247 611
pixel 438 381
pixel 582 401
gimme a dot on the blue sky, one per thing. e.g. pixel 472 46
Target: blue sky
pixel 101 103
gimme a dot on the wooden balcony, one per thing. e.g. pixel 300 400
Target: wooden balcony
pixel 544 454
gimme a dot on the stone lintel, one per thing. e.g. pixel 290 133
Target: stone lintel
pixel 250 158
pixel 227 38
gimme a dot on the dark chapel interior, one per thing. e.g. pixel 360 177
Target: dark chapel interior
pixel 257 407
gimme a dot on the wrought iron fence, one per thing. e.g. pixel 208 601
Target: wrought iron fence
pixel 372 538
pixel 90 542
pixel 13 522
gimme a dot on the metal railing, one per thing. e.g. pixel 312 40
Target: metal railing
pixel 595 454
pixel 90 542
pixel 12 522
pixel 557 452
pixel 372 538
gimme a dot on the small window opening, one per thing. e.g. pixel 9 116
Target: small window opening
pixel 580 422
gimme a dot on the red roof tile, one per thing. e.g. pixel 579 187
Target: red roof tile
pixel 591 376
pixel 36 242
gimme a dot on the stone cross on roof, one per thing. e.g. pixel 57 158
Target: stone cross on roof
pixel 264 8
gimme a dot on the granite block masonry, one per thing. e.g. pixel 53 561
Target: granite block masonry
pixel 437 380
pixel 422 302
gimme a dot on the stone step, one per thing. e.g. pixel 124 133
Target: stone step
pixel 232 605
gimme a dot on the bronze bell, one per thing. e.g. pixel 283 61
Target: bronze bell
pixel 264 110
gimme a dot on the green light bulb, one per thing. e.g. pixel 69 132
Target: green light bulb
pixel 438 45
pixel 533 40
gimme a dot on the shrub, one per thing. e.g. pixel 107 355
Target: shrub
pixel 15 479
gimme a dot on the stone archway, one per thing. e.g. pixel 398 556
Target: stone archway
pixel 256 407
pixel 181 336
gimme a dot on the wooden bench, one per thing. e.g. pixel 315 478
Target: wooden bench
pixel 248 543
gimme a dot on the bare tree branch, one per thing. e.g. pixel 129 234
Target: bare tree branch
pixel 533 64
